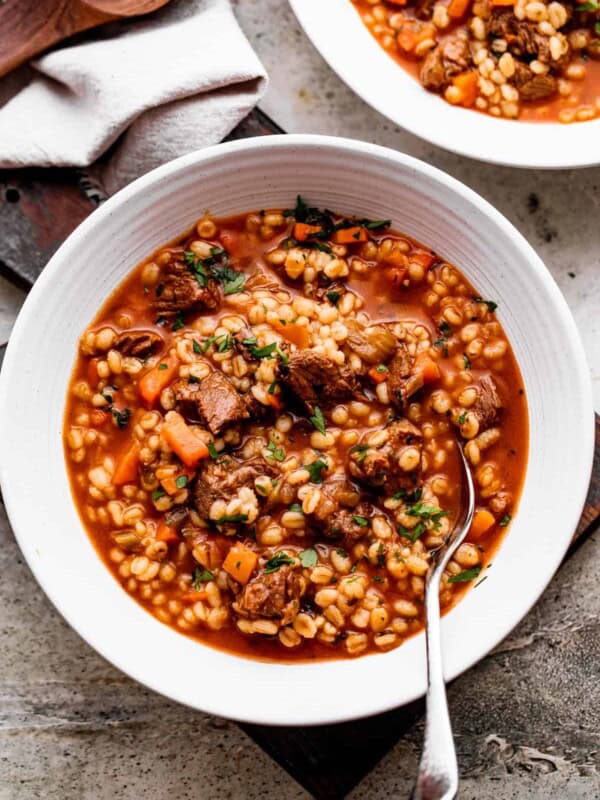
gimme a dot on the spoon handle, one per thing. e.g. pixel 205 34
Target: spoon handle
pixel 438 770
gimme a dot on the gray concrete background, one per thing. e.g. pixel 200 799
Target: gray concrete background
pixel 527 717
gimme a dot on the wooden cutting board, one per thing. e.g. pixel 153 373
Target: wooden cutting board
pixel 39 209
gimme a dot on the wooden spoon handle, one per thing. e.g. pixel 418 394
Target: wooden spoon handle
pixel 29 26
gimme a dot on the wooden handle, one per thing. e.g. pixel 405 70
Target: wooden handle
pixel 29 26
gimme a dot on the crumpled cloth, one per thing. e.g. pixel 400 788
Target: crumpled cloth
pixel 163 85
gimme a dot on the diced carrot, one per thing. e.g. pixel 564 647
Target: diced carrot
pixel 482 522
pixel 274 401
pixel 503 2
pixel 183 441
pixel 98 418
pixel 92 372
pixel 424 260
pixel 166 533
pixel 169 483
pixel 127 468
pixel 156 379
pixel 397 2
pixel 192 596
pixel 466 82
pixel 427 367
pixel 297 334
pixel 239 562
pixel 302 231
pixel 396 275
pixel 350 235
pixel 458 8
pixel 378 375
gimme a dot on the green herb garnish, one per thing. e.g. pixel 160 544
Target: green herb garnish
pixel 276 562
pixel 333 297
pixel 278 453
pixel 466 575
pixel 232 518
pixel 489 303
pixel 467 361
pixel 201 576
pixel 181 481
pixel 505 520
pixel 309 557
pixel 315 470
pixel 318 420
pixel 179 323
pixel 360 521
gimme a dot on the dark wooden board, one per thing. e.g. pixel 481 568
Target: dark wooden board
pixel 38 209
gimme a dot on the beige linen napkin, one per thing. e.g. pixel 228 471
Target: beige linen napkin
pixel 173 82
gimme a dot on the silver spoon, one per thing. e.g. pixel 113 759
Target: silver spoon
pixel 438 769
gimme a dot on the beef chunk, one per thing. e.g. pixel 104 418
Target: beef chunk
pixel 220 480
pixel 219 402
pixel 181 291
pixel 346 524
pixel 139 344
pixel 424 9
pixel 445 61
pixel 275 596
pixel 532 86
pixel 380 468
pixel 523 39
pixel 316 380
pixel 214 401
pixel 402 382
pixel 488 405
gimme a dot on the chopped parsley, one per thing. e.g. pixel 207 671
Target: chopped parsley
pixel 261 352
pixel 362 522
pixel 161 321
pixel 410 497
pixel 378 579
pixel 157 494
pixel 297 508
pixel 201 576
pixel 309 557
pixel 462 418
pixel 278 453
pixel 333 297
pixel 413 533
pixel 232 519
pixel 505 520
pixel 489 303
pixel 315 470
pixel 217 267
pixel 361 449
pixel 272 387
pixel 197 348
pixel 162 366
pixel 179 323
pixel 444 328
pixel 318 420
pixel 593 6
pixel 324 219
pixel 121 417
pixel 465 576
pixel 276 562
pixel 426 512
pixel 341 552
pixel 181 481
pixel 381 368
pixel 467 361
pixel 224 343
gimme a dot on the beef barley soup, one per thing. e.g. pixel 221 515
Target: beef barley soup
pixel 261 432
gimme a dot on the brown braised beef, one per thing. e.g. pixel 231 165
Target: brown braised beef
pixel 179 291
pixel 488 405
pixel 402 381
pixel 139 344
pixel 274 595
pixel 220 480
pixel 214 401
pixel 443 62
pixel 315 380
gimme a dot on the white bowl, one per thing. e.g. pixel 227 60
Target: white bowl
pixel 337 31
pixel 352 178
